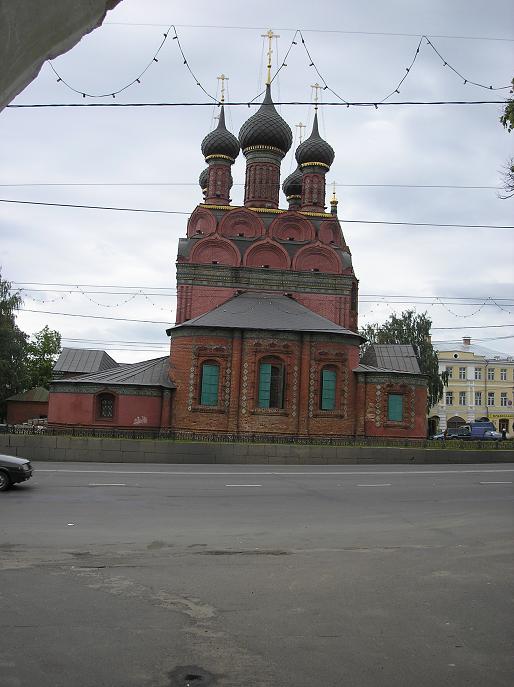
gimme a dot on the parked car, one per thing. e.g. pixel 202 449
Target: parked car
pixel 447 434
pixel 477 431
pixel 13 470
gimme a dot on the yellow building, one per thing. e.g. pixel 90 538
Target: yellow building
pixel 480 386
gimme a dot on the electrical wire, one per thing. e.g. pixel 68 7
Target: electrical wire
pixel 165 288
pixel 422 40
pixel 310 30
pixel 195 183
pixel 182 212
pixel 342 103
pixel 126 319
pixel 436 300
pixel 137 79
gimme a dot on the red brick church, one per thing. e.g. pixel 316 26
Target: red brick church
pixel 265 339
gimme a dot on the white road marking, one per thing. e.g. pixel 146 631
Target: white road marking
pixel 374 485
pixel 243 485
pixel 275 472
pixel 495 483
pixel 93 484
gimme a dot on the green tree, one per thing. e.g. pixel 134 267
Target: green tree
pixel 13 344
pixel 507 120
pixel 411 328
pixel 42 353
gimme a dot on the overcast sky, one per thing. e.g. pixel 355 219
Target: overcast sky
pixel 78 155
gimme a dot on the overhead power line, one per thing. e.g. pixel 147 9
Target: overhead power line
pixel 195 183
pixel 183 212
pixel 165 288
pixel 309 30
pixel 166 322
pixel 302 103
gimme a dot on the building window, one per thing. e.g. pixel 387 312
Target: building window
pixel 490 374
pixel 462 373
pixel 327 399
pixel 271 385
pixel 478 398
pixel 503 374
pixel 449 398
pixel 449 372
pixel 462 398
pixel 503 399
pixel 478 373
pixel 106 406
pixel 490 398
pixel 209 384
pixel 395 407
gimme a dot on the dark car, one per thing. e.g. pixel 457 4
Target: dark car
pixel 447 434
pixel 13 470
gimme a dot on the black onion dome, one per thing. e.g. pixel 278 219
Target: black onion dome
pixel 314 148
pixel 203 179
pixel 220 141
pixel 292 185
pixel 266 127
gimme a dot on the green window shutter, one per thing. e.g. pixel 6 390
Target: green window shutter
pixel 210 383
pixel 328 389
pixel 264 385
pixel 395 407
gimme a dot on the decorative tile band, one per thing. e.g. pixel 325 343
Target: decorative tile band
pixel 314 164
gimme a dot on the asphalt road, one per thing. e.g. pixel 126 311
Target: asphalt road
pixel 166 576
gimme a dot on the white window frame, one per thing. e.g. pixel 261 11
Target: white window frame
pixel 490 399
pixel 462 373
pixel 478 373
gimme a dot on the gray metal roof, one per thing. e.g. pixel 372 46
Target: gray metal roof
pixel 83 361
pixel 38 394
pixel 269 311
pixel 146 373
pixel 391 357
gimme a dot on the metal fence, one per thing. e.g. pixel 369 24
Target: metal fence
pixel 246 438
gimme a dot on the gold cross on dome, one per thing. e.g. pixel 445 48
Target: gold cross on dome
pixel 316 88
pixel 222 78
pixel 300 126
pixel 270 36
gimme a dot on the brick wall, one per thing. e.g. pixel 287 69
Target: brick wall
pixel 80 409
pixel 372 407
pixel 239 355
pixel 21 411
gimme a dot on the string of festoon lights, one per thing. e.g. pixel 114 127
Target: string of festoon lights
pixel 423 41
pixel 437 301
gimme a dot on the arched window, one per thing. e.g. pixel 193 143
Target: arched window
pixel 209 384
pixel 327 397
pixel 106 406
pixel 271 384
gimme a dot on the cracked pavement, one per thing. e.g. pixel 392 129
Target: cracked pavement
pixel 160 577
